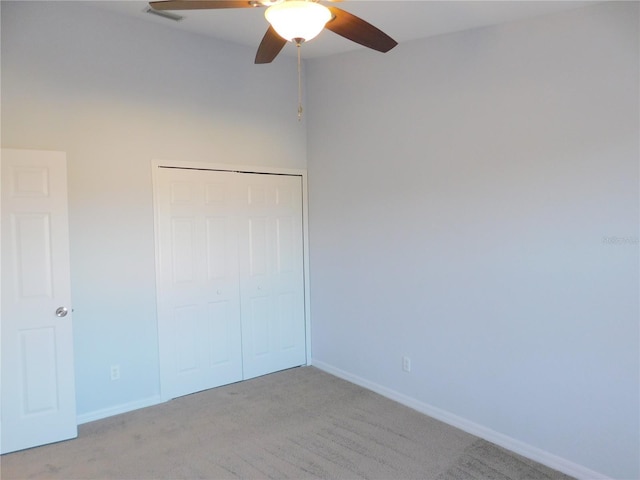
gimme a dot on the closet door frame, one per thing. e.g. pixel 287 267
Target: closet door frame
pixel 302 173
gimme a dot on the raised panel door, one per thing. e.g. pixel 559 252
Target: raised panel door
pixel 271 274
pixel 38 387
pixel 198 291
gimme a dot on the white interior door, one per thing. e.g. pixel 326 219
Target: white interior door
pixel 38 389
pixel 198 288
pixel 230 277
pixel 271 274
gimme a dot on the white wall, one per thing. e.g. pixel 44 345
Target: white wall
pixel 115 93
pixel 461 192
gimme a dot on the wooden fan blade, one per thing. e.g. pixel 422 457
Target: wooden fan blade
pixel 270 46
pixel 359 31
pixel 201 4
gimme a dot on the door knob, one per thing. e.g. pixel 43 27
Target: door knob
pixel 61 312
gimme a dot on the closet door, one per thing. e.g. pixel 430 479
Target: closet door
pixel 271 274
pixel 230 277
pixel 198 285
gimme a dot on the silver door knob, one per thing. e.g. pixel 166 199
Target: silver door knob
pixel 61 312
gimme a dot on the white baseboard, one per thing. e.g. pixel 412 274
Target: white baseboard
pixel 521 448
pixel 118 409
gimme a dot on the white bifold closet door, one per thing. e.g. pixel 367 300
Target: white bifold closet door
pixel 271 273
pixel 230 281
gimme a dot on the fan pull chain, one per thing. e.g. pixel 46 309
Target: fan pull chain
pixel 299 84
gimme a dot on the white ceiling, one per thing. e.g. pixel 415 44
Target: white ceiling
pixel 402 20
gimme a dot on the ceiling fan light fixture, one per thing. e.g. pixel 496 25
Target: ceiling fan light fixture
pixel 298 19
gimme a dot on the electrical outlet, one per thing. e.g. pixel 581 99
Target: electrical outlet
pixel 115 372
pixel 406 364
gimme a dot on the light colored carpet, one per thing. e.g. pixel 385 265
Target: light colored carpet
pixel 300 423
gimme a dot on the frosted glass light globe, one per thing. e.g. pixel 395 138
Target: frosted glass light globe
pixel 298 19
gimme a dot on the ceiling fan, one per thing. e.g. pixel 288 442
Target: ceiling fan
pixel 296 21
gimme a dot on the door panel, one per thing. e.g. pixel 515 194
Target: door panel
pixel 257 247
pixel 32 247
pixel 288 319
pixel 182 248
pixel 216 235
pixel 38 389
pixel 271 275
pixel 198 291
pixel 186 334
pixel 257 322
pixel 220 346
pixel 285 238
pixel 39 367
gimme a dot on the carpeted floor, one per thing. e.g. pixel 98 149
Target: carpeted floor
pixel 300 423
